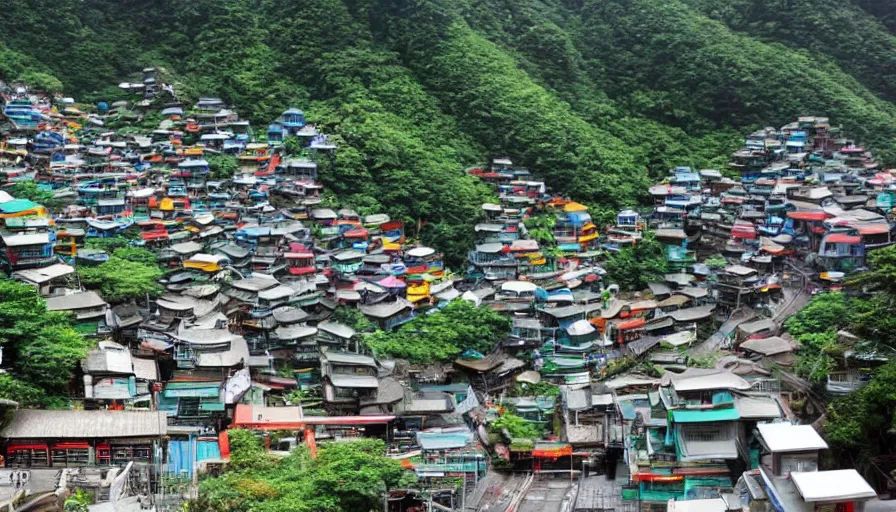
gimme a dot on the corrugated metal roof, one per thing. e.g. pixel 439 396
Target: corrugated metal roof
pixel 38 424
pixel 81 300
pixel 433 441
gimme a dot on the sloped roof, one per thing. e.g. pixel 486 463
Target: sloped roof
pixel 487 363
pixel 383 309
pixel 768 346
pixel 43 275
pixel 838 485
pixel 254 283
pixel 786 437
pixel 70 424
pixel 757 407
pixel 700 379
pixel 347 358
pixel 336 329
pixel 80 300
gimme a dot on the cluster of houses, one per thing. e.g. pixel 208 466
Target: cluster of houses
pixel 257 268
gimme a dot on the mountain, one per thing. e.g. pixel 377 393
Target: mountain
pixel 598 97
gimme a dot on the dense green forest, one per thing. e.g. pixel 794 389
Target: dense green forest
pixel 599 97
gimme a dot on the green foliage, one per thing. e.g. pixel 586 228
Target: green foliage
pixel 882 274
pixel 716 261
pixel 815 327
pixel 811 26
pixel 825 312
pixel 121 280
pixel 707 361
pixel 293 145
pixel 25 394
pixel 137 255
pixel 442 336
pixel 222 166
pixel 107 244
pixel 540 389
pixel 858 425
pixel 78 502
pixel 353 318
pixel 42 345
pixel 669 62
pixel 29 190
pixel 516 426
pixel 246 451
pixel 633 267
pixel 343 477
pixel 814 361
pixel 540 228
pixel 41 81
pixel 53 347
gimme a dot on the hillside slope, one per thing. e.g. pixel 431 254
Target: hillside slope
pixel 598 96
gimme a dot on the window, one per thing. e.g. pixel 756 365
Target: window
pixel 70 457
pixel 28 457
pixel 705 435
pixel 121 455
pixel 103 455
pixel 676 487
pixel 188 407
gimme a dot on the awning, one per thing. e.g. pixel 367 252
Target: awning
pixel 549 450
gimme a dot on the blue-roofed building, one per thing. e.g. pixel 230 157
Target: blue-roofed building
pixel 446 456
pixel 275 133
pixel 292 120
pixel 694 435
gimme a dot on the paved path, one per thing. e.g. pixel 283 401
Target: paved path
pixel 549 495
pixel 714 342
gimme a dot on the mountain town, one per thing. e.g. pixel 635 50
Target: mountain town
pixel 192 321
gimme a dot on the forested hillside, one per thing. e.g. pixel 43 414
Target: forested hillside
pixel 597 96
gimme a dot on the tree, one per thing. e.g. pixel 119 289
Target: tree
pixel 516 426
pixel 29 190
pixel 120 280
pixel 107 244
pixel 42 346
pixel 222 166
pixel 859 426
pixel 825 312
pixel 442 336
pixel 344 477
pixel 633 267
pixel 353 318
pixel 136 255
pixel 54 347
pixel 882 273
pixel 42 81
pixel 25 394
pixel 541 227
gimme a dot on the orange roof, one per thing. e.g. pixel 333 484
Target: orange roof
pixel 572 206
pixel 872 228
pixel 812 215
pixel 631 324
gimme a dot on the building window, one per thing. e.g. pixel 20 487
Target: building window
pixel 70 457
pixel 27 457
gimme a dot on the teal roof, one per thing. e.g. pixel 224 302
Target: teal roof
pixel 628 410
pixel 191 385
pixel 192 389
pixel 432 441
pixel 704 415
pixel 17 205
